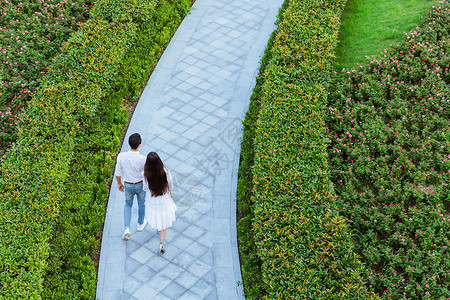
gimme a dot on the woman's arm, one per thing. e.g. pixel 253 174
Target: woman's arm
pixel 169 181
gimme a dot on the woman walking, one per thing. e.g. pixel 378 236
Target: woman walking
pixel 159 206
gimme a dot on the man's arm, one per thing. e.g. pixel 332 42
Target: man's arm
pixel 119 181
pixel 118 174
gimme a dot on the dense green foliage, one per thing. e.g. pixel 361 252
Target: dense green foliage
pixel 31 34
pixel 150 42
pixel 300 243
pixel 33 176
pixel 390 162
pixel 251 264
pixel 72 272
pixel 54 182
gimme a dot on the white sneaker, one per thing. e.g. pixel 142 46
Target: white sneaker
pixel 126 234
pixel 141 227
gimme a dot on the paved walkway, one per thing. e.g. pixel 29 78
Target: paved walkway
pixel 191 114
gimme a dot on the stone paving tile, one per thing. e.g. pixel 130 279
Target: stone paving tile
pixel 172 270
pixel 131 285
pixel 184 260
pixel 145 292
pixel 202 288
pixel 181 141
pixel 191 114
pixel 206 241
pixel 131 265
pixel 187 280
pixel 210 277
pixel 162 297
pixel 157 263
pixel 194 231
pixel 224 281
pixel 192 215
pixel 172 252
pixel 174 290
pixel 189 296
pixel 158 282
pixel 199 268
pixel 127 296
pixel 143 273
pixel 180 242
pixel 113 295
pixel 141 255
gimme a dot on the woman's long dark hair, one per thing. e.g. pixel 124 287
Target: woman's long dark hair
pixel 155 175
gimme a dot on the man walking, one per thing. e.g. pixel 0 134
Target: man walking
pixel 130 169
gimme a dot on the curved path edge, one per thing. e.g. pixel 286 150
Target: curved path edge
pixel 191 113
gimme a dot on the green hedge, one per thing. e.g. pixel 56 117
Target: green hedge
pixel 303 246
pixel 150 43
pixel 250 262
pixel 389 156
pixel 124 11
pixel 71 273
pixel 33 176
pixel 40 179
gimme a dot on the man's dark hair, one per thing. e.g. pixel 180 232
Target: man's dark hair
pixel 134 140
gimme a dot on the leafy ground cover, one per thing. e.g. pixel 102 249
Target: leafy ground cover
pixel 390 161
pixel 8 128
pixel 31 34
pixel 369 25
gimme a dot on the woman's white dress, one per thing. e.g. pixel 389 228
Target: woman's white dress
pixel 160 210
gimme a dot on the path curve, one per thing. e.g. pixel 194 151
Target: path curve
pixel 191 113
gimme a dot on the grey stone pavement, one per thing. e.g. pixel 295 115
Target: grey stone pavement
pixel 191 114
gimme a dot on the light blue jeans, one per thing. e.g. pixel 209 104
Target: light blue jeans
pixel 130 191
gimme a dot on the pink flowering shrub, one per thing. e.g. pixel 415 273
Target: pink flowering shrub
pixel 31 33
pixel 389 124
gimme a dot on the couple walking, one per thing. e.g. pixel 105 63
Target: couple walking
pixel 151 182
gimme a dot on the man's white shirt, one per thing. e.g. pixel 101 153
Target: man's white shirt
pixel 130 166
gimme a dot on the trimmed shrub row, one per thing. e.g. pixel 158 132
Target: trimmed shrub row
pixel 301 245
pixel 250 261
pixel 71 273
pixel 390 162
pixel 33 178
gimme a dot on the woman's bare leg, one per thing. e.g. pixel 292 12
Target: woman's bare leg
pixel 162 235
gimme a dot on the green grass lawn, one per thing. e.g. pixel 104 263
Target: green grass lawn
pixel 370 26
